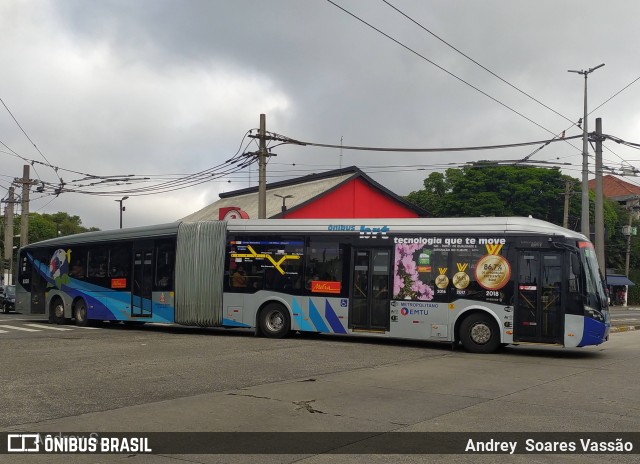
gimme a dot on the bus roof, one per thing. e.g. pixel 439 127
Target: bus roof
pixel 482 225
pixel 161 230
pixel 478 225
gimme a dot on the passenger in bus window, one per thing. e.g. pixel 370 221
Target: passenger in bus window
pixel 163 281
pixel 239 278
pixel 77 270
pixel 115 272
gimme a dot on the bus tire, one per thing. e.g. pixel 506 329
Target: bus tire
pixel 274 321
pixel 479 333
pixel 56 312
pixel 80 313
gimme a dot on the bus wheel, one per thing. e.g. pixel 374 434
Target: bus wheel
pixel 56 313
pixel 479 334
pixel 80 313
pixel 274 321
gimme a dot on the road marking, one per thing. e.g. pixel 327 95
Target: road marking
pixel 4 331
pixel 90 328
pixel 48 327
pixel 18 328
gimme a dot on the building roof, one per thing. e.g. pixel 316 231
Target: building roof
pixel 303 190
pixel 616 189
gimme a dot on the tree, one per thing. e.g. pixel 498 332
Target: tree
pixel 491 190
pixel 45 226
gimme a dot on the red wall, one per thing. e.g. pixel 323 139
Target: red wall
pixel 355 199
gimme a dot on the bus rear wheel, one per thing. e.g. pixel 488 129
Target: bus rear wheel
pixel 274 321
pixel 56 313
pixel 80 313
pixel 479 334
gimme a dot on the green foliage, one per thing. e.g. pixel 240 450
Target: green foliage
pixel 489 190
pixel 46 226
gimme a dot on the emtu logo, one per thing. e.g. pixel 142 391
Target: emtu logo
pixel 23 443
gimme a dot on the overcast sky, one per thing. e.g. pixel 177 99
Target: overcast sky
pixel 162 88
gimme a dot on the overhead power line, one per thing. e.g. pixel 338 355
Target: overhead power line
pixel 415 150
pixel 440 67
pixel 25 134
pixel 477 63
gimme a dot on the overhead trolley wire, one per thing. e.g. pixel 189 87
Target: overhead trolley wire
pixel 428 150
pixel 440 67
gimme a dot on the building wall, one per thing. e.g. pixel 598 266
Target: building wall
pixel 355 199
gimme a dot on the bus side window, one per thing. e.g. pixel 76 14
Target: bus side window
pixel 77 267
pixel 325 262
pixel 119 260
pixel 165 257
pixel 574 274
pixel 97 262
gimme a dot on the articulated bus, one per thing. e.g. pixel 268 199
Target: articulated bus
pixel 482 282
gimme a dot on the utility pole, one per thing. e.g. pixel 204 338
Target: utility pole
pixel 262 170
pixel 8 235
pixel 599 207
pixel 568 187
pixel 24 218
pixel 585 156
pixel 628 233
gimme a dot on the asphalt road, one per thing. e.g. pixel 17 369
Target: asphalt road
pixel 163 379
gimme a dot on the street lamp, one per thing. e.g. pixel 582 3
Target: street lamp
pixel 122 208
pixel 585 153
pixel 284 199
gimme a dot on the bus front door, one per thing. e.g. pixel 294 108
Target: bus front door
pixel 370 289
pixel 141 293
pixel 538 309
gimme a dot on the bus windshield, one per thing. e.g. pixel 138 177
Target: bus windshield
pixel 596 296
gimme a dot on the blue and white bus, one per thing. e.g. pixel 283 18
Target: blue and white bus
pixel 484 282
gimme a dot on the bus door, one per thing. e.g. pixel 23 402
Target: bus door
pixel 370 289
pixel 38 292
pixel 538 309
pixel 141 293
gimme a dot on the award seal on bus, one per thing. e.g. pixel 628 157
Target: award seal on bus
pixel 493 271
pixel 442 281
pixel 461 279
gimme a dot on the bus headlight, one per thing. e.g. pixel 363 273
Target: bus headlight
pixel 594 314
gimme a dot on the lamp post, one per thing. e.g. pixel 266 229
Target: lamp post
pixel 284 199
pixel 585 154
pixel 122 208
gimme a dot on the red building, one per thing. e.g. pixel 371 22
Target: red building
pixel 341 193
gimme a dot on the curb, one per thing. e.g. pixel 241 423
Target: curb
pixel 624 328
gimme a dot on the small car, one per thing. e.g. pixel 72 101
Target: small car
pixel 9 298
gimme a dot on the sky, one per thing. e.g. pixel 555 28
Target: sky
pixel 119 98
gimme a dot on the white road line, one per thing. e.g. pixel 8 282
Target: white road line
pixel 4 331
pixel 90 328
pixel 18 328
pixel 48 327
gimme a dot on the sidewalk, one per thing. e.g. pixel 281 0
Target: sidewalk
pixel 624 325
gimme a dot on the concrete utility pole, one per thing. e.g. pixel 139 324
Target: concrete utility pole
pixel 599 210
pixel 585 156
pixel 262 170
pixel 8 235
pixel 24 218
pixel 568 187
